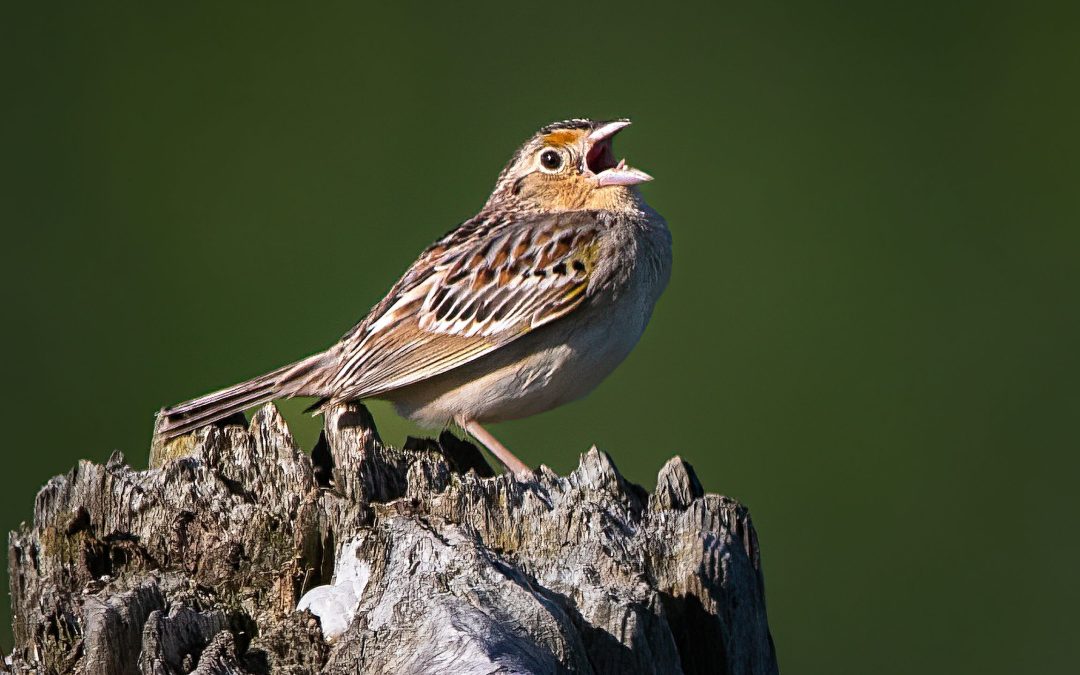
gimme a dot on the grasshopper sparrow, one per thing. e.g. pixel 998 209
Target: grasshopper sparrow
pixel 524 307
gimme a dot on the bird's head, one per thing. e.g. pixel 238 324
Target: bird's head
pixel 568 166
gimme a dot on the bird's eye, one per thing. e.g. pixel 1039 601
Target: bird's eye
pixel 551 160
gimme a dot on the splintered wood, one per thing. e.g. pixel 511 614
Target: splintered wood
pixel 413 560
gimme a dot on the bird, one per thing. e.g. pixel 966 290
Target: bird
pixel 522 308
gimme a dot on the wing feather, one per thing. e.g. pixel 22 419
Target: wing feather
pixel 479 288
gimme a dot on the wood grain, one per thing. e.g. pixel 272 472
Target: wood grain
pixel 198 563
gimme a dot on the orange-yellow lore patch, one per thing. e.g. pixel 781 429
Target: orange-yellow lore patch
pixel 563 137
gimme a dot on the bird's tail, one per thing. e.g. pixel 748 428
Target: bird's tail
pixel 296 379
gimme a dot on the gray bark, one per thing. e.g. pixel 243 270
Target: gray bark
pixel 413 560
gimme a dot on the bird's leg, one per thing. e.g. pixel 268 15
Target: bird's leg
pixel 513 464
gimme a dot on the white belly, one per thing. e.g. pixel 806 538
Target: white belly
pixel 551 366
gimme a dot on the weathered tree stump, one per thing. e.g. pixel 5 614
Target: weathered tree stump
pixel 416 560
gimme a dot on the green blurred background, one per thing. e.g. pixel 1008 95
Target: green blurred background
pixel 871 335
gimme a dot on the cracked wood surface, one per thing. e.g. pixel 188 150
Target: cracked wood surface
pixel 412 560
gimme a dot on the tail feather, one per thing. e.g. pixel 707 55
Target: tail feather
pixel 291 380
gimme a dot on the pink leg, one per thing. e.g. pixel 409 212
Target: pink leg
pixel 513 464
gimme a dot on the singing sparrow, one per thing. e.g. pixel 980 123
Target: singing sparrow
pixel 524 307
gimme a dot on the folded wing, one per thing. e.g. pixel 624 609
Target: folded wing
pixel 479 288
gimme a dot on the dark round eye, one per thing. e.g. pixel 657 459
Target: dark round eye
pixel 551 159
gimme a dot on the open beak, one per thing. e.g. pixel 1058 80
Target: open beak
pixel 600 160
